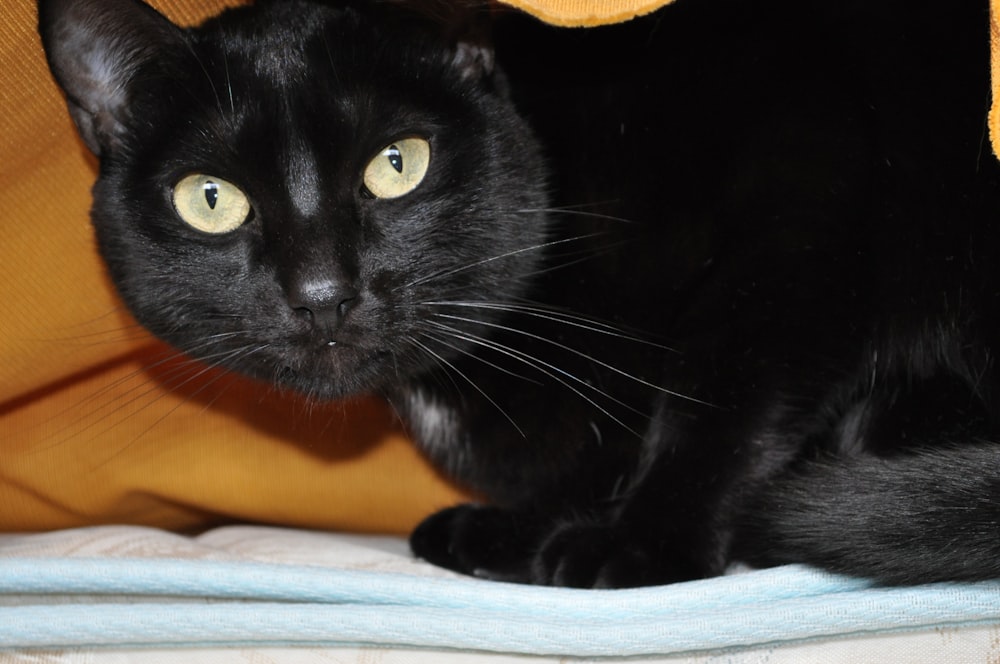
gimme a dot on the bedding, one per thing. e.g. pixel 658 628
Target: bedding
pixel 240 590
pixel 100 424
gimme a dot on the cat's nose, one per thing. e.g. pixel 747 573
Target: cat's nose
pixel 325 303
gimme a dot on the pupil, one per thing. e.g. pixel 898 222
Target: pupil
pixel 395 158
pixel 211 194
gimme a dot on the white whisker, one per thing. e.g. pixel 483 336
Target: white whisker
pixel 229 86
pixel 473 356
pixel 469 381
pixel 548 369
pixel 515 252
pixel 579 353
pixel 245 352
pixel 208 76
pixel 151 385
pixel 568 210
pixel 109 388
pixel 562 261
pixel 554 315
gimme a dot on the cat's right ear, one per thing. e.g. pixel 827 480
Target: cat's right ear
pixel 467 28
pixel 95 49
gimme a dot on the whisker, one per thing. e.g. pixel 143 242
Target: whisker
pixel 439 378
pixel 469 381
pixel 547 369
pixel 115 336
pixel 561 262
pixel 201 368
pixel 578 353
pixel 569 210
pixel 106 410
pixel 515 252
pixel 242 353
pixel 147 387
pixel 554 315
pixel 104 390
pixel 208 76
pixel 229 85
pixel 92 328
pixel 458 349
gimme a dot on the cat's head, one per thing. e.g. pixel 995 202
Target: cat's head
pixel 288 189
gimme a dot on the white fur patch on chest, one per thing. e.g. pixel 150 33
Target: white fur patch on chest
pixel 435 425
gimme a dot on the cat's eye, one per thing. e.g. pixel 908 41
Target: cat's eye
pixel 398 168
pixel 210 204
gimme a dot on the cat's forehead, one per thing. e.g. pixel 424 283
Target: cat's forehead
pixel 289 43
pixel 273 42
pixel 323 66
pixel 283 64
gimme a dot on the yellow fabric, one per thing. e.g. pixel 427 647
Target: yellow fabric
pixel 580 13
pixel 100 423
pixel 994 116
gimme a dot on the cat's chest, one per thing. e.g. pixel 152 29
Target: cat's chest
pixel 435 424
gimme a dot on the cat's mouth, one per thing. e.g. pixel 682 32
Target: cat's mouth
pixel 330 370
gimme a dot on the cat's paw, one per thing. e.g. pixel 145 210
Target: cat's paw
pixel 493 543
pixel 487 542
pixel 591 556
pixel 606 555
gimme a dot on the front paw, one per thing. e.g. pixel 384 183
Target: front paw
pixel 487 542
pixel 583 555
pixel 606 555
pixel 501 545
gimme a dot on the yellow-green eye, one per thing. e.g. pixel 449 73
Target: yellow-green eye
pixel 210 204
pixel 398 169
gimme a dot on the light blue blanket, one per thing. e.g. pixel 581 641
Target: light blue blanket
pixel 61 602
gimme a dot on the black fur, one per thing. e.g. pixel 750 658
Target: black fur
pixel 743 308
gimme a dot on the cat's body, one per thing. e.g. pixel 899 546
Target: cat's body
pixel 737 300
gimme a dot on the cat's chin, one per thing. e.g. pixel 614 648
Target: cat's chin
pixel 328 373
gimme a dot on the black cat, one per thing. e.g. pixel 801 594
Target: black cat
pixel 734 295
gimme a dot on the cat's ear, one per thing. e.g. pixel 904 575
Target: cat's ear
pixel 95 49
pixel 468 27
pixel 473 58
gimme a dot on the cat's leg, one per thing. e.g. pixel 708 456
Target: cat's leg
pixel 674 523
pixel 672 526
pixel 564 465
pixel 669 520
pixel 481 540
pixel 581 550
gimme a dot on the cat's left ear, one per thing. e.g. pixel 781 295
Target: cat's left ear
pixel 473 59
pixel 470 32
pixel 96 49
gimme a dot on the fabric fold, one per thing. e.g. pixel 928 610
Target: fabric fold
pixel 90 602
